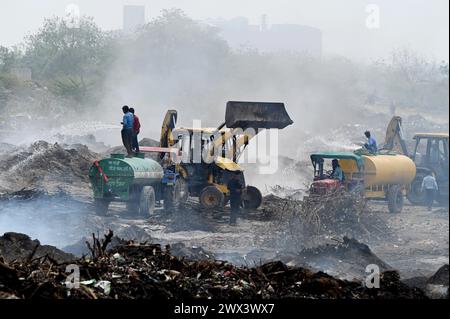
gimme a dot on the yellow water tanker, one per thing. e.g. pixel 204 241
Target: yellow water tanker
pixel 388 169
pixel 382 169
pixel 376 177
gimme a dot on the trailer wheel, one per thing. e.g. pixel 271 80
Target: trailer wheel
pixel 395 199
pixel 147 201
pixel 101 206
pixel 252 198
pixel 211 197
pixel 133 200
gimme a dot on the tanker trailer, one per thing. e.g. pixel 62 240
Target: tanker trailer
pixel 139 182
pixel 377 177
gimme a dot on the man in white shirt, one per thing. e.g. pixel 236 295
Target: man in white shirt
pixel 429 185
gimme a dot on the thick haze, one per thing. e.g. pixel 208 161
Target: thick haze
pixel 420 25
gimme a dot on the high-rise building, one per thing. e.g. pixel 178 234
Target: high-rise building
pixel 133 17
pixel 269 38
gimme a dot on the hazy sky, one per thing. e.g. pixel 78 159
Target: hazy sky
pixel 422 25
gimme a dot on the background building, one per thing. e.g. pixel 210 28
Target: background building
pixel 270 38
pixel 133 17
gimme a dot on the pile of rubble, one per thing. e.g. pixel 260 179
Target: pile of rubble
pixel 311 220
pixel 16 247
pixel 140 271
pixel 49 167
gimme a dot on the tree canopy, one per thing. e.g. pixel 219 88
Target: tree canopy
pixel 177 60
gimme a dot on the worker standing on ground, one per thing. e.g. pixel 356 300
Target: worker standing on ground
pixel 235 187
pixel 127 129
pixel 371 144
pixel 337 171
pixel 429 185
pixel 136 130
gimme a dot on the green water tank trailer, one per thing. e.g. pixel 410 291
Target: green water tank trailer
pixel 137 181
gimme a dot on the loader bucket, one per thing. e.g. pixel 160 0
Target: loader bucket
pixel 256 115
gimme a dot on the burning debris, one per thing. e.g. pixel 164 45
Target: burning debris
pixel 142 271
pixel 308 222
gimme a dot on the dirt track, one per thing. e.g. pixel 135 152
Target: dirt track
pixel 422 243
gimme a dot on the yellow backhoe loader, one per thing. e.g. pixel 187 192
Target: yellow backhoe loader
pixel 204 159
pixel 431 154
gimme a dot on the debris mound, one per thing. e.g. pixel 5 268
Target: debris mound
pixel 16 247
pixel 436 286
pixel 48 167
pixel 310 220
pixel 145 271
pixel 346 259
pixel 441 277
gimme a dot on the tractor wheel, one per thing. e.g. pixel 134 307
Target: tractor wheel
pixel 101 206
pixel 147 201
pixel 211 197
pixel 395 199
pixel 176 195
pixel 415 195
pixel 252 198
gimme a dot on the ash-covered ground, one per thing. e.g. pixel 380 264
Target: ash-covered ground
pixel 45 193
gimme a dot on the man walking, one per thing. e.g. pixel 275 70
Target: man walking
pixel 127 130
pixel 136 130
pixel 429 185
pixel 235 187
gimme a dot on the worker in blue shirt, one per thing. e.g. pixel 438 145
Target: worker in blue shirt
pixel 371 144
pixel 127 129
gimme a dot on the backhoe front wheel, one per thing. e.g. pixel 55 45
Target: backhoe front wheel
pixel 252 197
pixel 211 197
pixel 395 199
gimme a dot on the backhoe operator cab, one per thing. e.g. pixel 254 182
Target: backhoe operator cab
pixel 208 180
pixel 431 150
pixel 431 153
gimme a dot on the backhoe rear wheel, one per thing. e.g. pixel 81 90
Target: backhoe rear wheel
pixel 415 195
pixel 395 199
pixel 211 197
pixel 252 198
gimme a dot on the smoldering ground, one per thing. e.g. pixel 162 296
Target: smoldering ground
pixel 56 220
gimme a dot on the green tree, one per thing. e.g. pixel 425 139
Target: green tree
pixel 8 59
pixel 72 61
